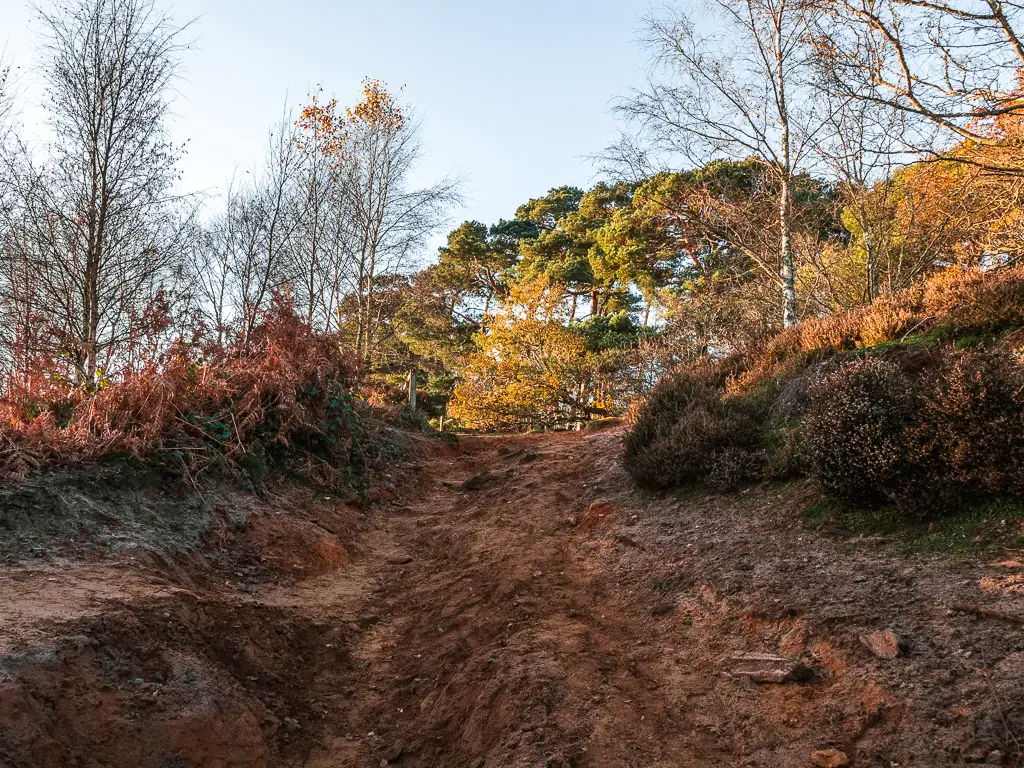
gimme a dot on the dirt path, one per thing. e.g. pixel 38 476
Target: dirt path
pixel 517 604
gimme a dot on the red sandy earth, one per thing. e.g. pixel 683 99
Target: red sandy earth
pixel 543 614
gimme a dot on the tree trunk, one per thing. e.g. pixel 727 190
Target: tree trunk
pixel 368 316
pixel 786 271
pixel 872 267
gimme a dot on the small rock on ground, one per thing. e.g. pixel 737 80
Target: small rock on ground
pixel 885 643
pixel 769 668
pixel 830 758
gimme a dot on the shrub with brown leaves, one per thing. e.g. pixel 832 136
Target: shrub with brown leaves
pixel 279 398
pixel 975 301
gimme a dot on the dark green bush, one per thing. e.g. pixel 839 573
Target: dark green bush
pixel 688 431
pixel 854 433
pixel 928 439
pixel 969 441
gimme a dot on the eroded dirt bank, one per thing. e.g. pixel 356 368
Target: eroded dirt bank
pixel 515 605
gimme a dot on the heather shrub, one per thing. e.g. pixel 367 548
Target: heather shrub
pixel 853 436
pixel 839 331
pixel 687 432
pixel 975 301
pixel 885 321
pixel 854 402
pixel 927 438
pixel 734 465
pixel 651 455
pixel 969 441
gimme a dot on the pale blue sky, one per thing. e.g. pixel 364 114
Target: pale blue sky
pixel 513 94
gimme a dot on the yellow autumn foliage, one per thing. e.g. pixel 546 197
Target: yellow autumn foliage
pixel 530 368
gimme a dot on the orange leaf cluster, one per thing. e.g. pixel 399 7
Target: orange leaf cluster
pixel 378 109
pixel 322 126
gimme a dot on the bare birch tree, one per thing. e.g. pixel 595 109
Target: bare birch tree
pixel 742 91
pixel 102 233
pixel 266 217
pixel 249 246
pixel 390 220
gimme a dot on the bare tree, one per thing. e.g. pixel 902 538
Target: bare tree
pixel 101 230
pixel 7 162
pixel 213 256
pixel 389 220
pixel 266 220
pixel 5 97
pixel 329 217
pixel 742 91
pixel 861 149
pixel 255 244
pixel 318 253
pixel 950 67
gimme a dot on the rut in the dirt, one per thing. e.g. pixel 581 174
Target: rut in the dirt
pixel 516 604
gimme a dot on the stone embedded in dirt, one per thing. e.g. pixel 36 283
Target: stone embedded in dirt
pixel 769 668
pixel 600 514
pixel 884 643
pixel 629 541
pixel 399 559
pixel 830 758
pixel 794 642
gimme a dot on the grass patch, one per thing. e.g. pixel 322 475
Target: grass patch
pixel 973 529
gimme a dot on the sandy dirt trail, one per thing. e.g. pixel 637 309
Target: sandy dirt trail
pixel 516 603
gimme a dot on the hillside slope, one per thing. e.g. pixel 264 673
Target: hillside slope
pixel 514 604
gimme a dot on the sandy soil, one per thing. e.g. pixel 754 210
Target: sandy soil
pixel 515 603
